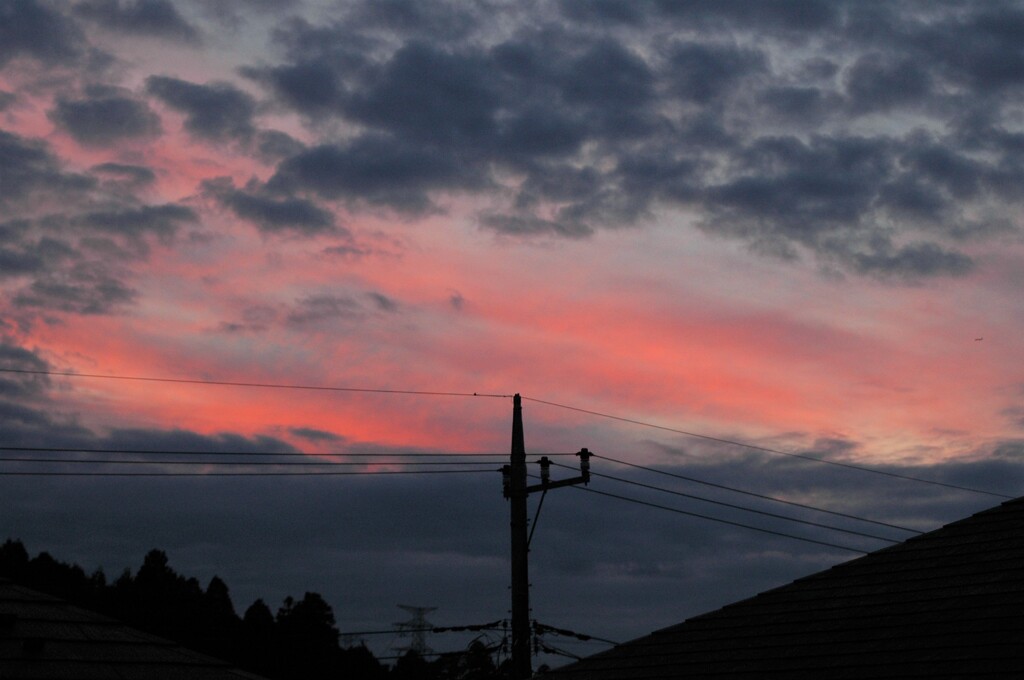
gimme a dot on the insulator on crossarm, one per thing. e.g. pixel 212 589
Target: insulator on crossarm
pixel 584 455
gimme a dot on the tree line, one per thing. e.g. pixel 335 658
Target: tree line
pixel 299 641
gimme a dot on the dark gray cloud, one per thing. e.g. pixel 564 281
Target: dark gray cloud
pixel 302 40
pixel 325 307
pixel 133 175
pixel 27 166
pixel 799 189
pixel 313 310
pixel 161 221
pixel 796 16
pixel 573 118
pixel 176 439
pixel 599 126
pixel 7 99
pixel 122 233
pixel 375 170
pixel 316 435
pixel 382 302
pixel 159 18
pixel 83 264
pixel 540 132
pixel 606 75
pixel 273 215
pixel 980 48
pixel 430 96
pixel 215 111
pixel 912 261
pixel 605 12
pixel 233 13
pixel 836 196
pixel 797 104
pixel 21 386
pixel 442 21
pixel 74 248
pixel 312 87
pixel 255 319
pixel 457 301
pixel 104 116
pixel 529 226
pixel 877 84
pixel 86 287
pixel 347 250
pixel 274 145
pixel 37 29
pixel 32 256
pixel 702 73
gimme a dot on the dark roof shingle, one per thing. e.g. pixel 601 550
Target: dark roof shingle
pixel 45 638
pixel 946 604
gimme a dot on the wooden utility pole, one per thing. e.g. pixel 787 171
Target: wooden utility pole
pixel 521 661
pixel 517 490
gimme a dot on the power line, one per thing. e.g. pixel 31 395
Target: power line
pixel 324 473
pixel 739 507
pixel 765 449
pixel 230 383
pixel 756 495
pixel 476 627
pixel 116 461
pixel 719 520
pixel 542 628
pixel 180 452
pixel 754 447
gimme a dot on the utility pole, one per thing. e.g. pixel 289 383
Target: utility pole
pixel 517 490
pixel 521 666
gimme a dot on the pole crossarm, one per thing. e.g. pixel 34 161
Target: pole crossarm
pixel 573 481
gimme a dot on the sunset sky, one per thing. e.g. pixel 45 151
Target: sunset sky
pixel 794 225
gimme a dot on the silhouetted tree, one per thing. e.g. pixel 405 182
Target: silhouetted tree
pixel 13 560
pixel 219 626
pixel 218 599
pixel 359 663
pixel 309 637
pixel 259 643
pixel 411 666
pixel 300 643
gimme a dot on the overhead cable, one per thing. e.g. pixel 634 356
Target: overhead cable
pixel 720 520
pixel 755 495
pixel 230 383
pixel 321 473
pixel 260 463
pixel 211 452
pixel 738 507
pixel 765 449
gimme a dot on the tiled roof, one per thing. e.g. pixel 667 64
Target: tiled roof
pixel 45 638
pixel 946 604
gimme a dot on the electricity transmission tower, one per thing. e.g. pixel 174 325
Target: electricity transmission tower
pixel 417 627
